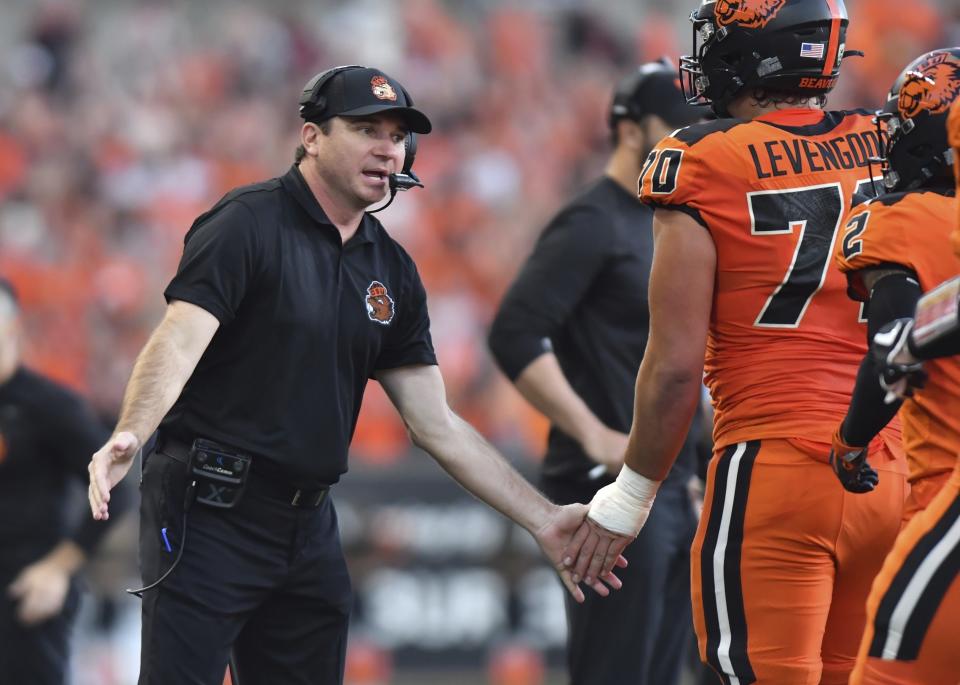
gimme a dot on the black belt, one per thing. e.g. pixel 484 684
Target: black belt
pixel 271 487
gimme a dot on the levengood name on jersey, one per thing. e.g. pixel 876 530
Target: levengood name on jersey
pixel 793 155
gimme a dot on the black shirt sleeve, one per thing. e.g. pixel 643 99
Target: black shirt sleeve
pixel 409 341
pixel 220 261
pixel 565 261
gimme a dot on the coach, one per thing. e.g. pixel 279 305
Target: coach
pixel 288 298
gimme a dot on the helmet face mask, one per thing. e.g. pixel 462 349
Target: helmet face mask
pixel 789 46
pixel 917 153
pixel 693 81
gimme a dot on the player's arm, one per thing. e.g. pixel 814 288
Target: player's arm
pixel 161 370
pixel 667 392
pixel 419 395
pixel 892 294
pixel 563 265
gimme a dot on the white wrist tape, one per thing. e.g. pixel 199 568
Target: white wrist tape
pixel 623 506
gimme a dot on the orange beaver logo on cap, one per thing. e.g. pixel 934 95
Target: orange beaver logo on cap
pixel 748 14
pixel 379 303
pixel 382 89
pixel 931 87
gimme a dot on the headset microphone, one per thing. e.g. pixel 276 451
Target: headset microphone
pixel 404 179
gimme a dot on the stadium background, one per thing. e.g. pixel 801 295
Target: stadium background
pixel 121 121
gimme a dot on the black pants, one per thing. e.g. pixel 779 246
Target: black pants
pixel 639 635
pixel 264 578
pixel 40 654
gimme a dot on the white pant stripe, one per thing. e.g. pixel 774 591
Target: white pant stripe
pixel 915 589
pixel 723 618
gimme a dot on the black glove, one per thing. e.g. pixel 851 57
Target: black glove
pixel 851 466
pixel 900 372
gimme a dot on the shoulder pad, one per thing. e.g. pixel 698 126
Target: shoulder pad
pixel 691 135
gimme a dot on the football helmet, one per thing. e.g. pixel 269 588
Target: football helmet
pixel 789 45
pixel 917 152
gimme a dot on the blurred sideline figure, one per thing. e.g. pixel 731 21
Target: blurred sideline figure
pixel 748 211
pixel 288 298
pixel 570 334
pixel 46 434
pixel 893 250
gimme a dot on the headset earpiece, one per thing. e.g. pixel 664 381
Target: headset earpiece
pixel 312 103
pixel 410 152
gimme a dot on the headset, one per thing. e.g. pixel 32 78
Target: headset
pixel 313 103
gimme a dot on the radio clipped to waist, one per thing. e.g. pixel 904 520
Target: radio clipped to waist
pixel 219 473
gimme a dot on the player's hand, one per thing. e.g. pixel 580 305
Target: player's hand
pixel 606 447
pixel 107 468
pixel 618 512
pixel 39 590
pixel 851 466
pixel 555 538
pixel 594 552
pixel 900 372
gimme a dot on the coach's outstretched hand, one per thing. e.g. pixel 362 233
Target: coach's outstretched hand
pixel 556 539
pixel 107 468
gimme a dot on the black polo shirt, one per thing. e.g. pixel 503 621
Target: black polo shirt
pixel 304 322
pixel 47 436
pixel 582 293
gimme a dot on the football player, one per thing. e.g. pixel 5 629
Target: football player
pixel 893 249
pixel 747 211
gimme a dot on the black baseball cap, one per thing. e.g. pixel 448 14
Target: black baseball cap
pixel 653 88
pixel 358 91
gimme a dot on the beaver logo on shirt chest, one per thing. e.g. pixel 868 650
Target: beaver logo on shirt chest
pixel 380 306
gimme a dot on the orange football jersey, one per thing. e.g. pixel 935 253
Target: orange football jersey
pixel 785 341
pixel 953 132
pixel 913 230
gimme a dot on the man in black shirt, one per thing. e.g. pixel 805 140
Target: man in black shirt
pixel 570 334
pixel 288 298
pixel 46 435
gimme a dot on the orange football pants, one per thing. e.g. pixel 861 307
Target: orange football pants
pixel 913 626
pixel 922 492
pixel 782 564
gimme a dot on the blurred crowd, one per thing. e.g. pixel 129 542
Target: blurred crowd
pixel 120 122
